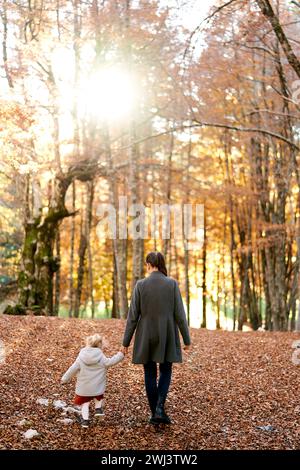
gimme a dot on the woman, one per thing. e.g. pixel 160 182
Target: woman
pixel 156 312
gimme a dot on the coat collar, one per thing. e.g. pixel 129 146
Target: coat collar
pixel 156 273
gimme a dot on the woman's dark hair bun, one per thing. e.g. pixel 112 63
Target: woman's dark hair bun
pixel 157 260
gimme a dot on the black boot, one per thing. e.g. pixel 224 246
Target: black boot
pixel 160 414
pixel 152 405
pixel 152 420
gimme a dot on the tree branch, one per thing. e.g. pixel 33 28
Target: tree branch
pixel 216 125
pixel 251 129
pixel 215 12
pixel 257 111
pixel 268 12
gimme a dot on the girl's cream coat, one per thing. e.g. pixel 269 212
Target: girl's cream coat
pixel 90 368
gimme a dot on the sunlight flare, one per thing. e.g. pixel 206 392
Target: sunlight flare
pixel 109 95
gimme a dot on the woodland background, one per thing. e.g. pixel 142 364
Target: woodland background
pixel 215 122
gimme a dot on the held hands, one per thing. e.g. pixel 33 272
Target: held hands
pixel 124 350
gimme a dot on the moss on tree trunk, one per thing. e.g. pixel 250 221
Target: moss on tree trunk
pixel 38 264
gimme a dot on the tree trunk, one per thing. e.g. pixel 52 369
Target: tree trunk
pixel 119 243
pixel 115 313
pixel 90 197
pixel 297 328
pixel 232 256
pixel 186 185
pixel 231 227
pixel 76 48
pixel 186 281
pixel 166 249
pixel 38 263
pixel 4 44
pixel 81 263
pixel 218 324
pixel 71 288
pixel 268 12
pixel 57 275
pixel 134 198
pixel 120 252
pixel 204 288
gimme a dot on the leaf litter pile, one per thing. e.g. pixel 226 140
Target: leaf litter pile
pixel 234 391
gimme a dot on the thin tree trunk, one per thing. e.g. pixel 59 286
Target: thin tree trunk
pixel 218 324
pixel 231 228
pixel 268 12
pixel 176 260
pixel 268 311
pixel 167 242
pixel 76 38
pixel 204 268
pixel 71 288
pixel 187 282
pixel 134 157
pixel 224 288
pixel 4 44
pixel 232 256
pixel 115 306
pixel 119 243
pixel 186 185
pixel 81 263
pixel 297 328
pixel 106 307
pixel 57 276
pixel 90 197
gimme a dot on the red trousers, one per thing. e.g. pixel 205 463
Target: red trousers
pixel 79 400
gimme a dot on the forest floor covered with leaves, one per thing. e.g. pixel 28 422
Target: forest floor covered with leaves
pixel 234 391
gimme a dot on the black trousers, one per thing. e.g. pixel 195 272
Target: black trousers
pixel 154 389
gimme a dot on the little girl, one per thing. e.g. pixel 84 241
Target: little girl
pixel 90 369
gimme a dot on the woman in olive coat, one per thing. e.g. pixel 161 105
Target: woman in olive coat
pixel 156 313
